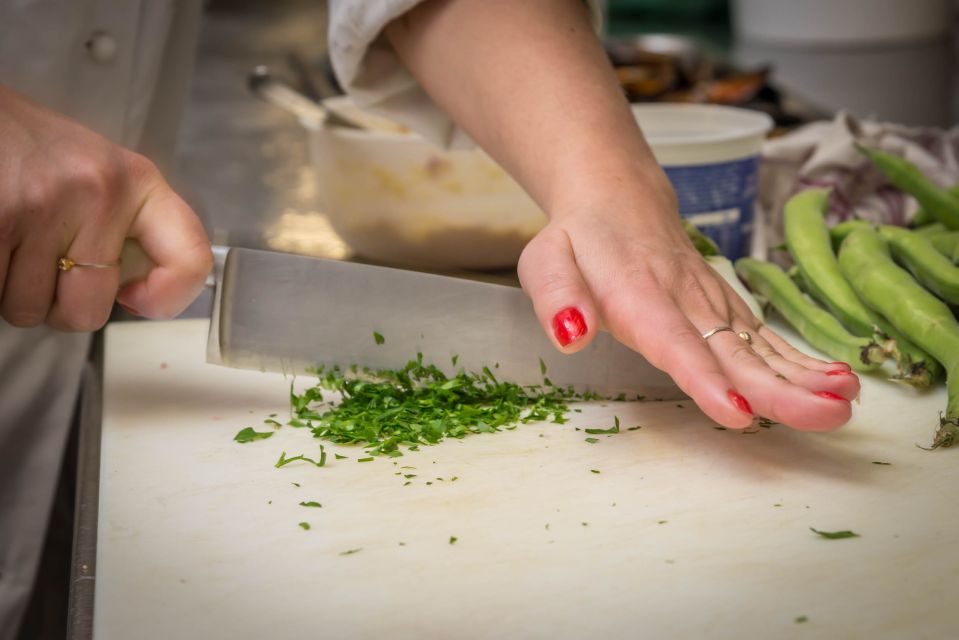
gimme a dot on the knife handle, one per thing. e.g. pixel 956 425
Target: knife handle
pixel 136 265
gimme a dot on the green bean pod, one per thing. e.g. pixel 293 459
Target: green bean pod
pixel 838 232
pixel 866 262
pixel 916 252
pixel 947 243
pixel 906 176
pixel 809 243
pixel 924 218
pixel 816 325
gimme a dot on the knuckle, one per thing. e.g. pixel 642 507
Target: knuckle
pixel 140 168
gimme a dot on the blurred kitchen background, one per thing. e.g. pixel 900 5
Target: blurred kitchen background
pixel 244 164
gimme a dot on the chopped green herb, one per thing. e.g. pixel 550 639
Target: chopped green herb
pixel 370 459
pixel 611 430
pixel 885 464
pixel 585 524
pixel 311 503
pixel 295 484
pixel 592 440
pixel 835 535
pixel 662 522
pixel 378 337
pixel 800 619
pixel 454 478
pixel 542 367
pixel 249 435
pixel 272 422
pixel 620 398
pixel 547 526
pixel 305 526
pixel 453 539
pixel 777 505
pixel 339 457
pixel 283 461
pixel 350 552
pixel 594 470
pixel 419 404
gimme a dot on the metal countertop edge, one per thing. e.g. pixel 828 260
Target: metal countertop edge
pixel 84 560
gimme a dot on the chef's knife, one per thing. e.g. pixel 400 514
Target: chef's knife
pixel 281 312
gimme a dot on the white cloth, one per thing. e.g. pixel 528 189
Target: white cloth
pixel 371 73
pixel 823 154
pixel 120 67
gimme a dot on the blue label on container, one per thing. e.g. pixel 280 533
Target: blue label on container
pixel 718 198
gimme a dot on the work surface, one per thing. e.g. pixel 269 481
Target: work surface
pixel 686 531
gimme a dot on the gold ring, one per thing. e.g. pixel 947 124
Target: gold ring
pixel 709 334
pixel 65 264
pixel 748 339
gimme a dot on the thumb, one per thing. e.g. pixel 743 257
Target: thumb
pixel 174 241
pixel 562 301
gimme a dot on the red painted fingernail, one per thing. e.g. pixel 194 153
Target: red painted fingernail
pixel 840 372
pixel 129 310
pixel 830 395
pixel 569 325
pixel 739 402
pixel 844 365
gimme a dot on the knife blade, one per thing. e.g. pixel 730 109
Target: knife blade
pixel 282 312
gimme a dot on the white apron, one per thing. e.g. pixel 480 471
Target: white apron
pixel 122 68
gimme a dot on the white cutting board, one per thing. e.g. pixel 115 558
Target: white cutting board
pixel 690 531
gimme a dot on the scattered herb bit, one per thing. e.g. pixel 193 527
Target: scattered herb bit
pixel 679 406
pixel 283 461
pixel 378 338
pixel 295 484
pixel 547 526
pixel 407 482
pixel 800 619
pixel 429 482
pixel 720 428
pixel 585 524
pixel 305 526
pixel 885 464
pixel 592 440
pixel 272 415
pixel 640 398
pixel 339 457
pixel 620 398
pixel 402 544
pixel 311 503
pixel 455 359
pixel 639 426
pixel 350 552
pixel 453 539
pixel 454 478
pixel 662 522
pixel 369 459
pixel 249 435
pixel 542 367
pixel 269 502
pixel 835 535
pixel 777 505
pixel 613 429
pixel 272 422
pixel 297 423
pixel 594 470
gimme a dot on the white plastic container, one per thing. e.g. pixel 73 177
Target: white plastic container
pixel 840 23
pixel 711 155
pixel 395 198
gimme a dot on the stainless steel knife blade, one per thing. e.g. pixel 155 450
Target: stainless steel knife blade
pixel 282 312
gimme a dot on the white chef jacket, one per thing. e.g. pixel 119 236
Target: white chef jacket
pixel 122 68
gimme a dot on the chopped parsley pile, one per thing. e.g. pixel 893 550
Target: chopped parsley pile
pixel 419 405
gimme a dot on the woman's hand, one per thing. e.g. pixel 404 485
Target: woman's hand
pixel 531 83
pixel 65 191
pixel 591 269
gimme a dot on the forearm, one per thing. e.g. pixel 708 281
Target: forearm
pixel 529 81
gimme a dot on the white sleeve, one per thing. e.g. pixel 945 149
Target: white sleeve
pixel 371 73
